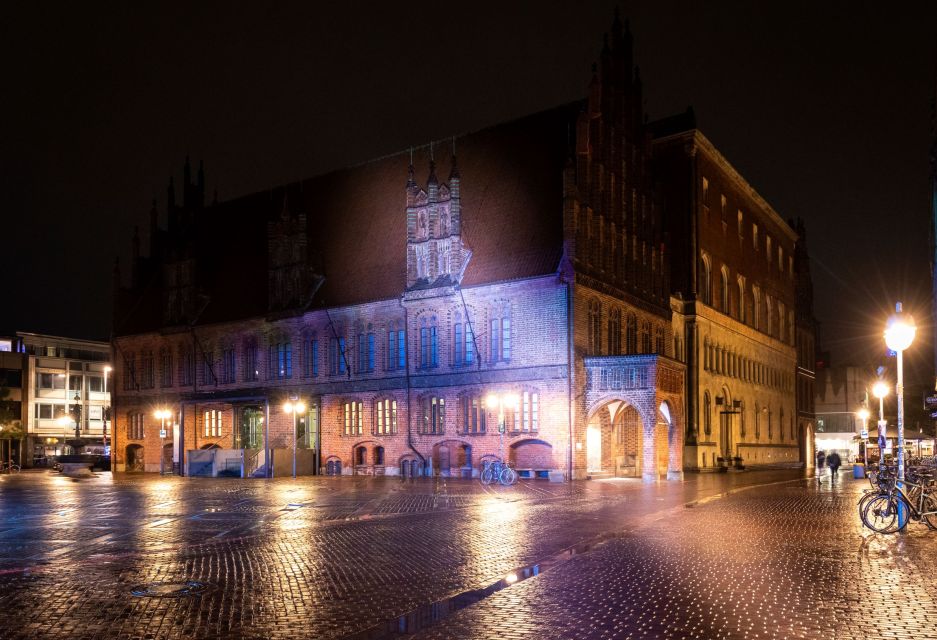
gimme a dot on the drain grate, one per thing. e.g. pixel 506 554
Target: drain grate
pixel 169 589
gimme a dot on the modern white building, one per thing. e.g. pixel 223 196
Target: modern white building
pixel 62 381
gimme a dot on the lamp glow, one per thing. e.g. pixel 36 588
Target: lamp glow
pixel 863 414
pixel 899 332
pixel 880 389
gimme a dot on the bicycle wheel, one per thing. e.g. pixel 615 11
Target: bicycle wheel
pixel 14 468
pixel 487 475
pixel 508 476
pixel 864 500
pixel 929 514
pixel 881 514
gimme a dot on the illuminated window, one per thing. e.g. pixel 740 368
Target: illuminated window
pixel 385 416
pixel 212 421
pixel 528 416
pixel 354 418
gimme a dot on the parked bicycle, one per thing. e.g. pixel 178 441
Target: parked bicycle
pixel 498 471
pixel 881 510
pixel 9 467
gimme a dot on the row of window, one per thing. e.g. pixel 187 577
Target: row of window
pixel 205 370
pixel 630 341
pixel 728 363
pixel 56 381
pixel 763 312
pixel 763 418
pixel 756 244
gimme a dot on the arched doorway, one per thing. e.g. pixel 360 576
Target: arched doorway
pixel 166 466
pixel 615 441
pixel 134 457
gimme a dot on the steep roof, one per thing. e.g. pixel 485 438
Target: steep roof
pixel 511 185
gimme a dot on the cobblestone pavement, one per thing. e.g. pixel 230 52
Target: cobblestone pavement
pixel 356 557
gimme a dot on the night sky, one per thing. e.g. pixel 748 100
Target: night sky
pixel 824 107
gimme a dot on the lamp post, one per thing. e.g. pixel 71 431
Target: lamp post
pixel 863 414
pixel 162 415
pixel 105 412
pixel 295 406
pixel 499 402
pixel 880 390
pixel 899 334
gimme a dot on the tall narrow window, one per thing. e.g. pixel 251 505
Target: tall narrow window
pixel 614 332
pixel 353 418
pixel 645 337
pixel 251 361
pixel 165 367
pixel 385 413
pixel 365 352
pixel 494 335
pixel 458 344
pixel 396 348
pixel 135 430
pixel 130 371
pixel 429 343
pixel 310 356
pixel 595 327
pixel 434 416
pixel 280 361
pixel 706 283
pixel 742 302
pixel 213 423
pixel 529 418
pixel 707 414
pixel 724 291
pixel 229 365
pixel 631 334
pixel 337 364
pixel 473 415
pixel 186 366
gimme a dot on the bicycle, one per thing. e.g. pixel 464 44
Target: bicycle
pixel 498 471
pixel 9 467
pixel 882 512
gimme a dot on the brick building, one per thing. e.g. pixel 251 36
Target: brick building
pixel 734 282
pixel 395 305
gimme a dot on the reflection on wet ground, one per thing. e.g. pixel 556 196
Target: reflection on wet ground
pixel 380 557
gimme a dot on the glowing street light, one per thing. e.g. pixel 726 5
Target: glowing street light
pixel 295 407
pixel 499 402
pixel 162 415
pixel 899 334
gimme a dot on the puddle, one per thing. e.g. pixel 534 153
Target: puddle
pixel 429 614
pixel 169 589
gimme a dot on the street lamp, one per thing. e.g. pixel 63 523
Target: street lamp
pixel 295 407
pixel 162 415
pixel 499 402
pixel 880 390
pixel 899 334
pixel 105 411
pixel 863 414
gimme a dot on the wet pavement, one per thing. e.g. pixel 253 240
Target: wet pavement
pixel 755 554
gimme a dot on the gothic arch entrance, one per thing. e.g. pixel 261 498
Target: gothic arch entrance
pixel 615 441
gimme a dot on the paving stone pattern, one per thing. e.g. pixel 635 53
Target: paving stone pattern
pixel 333 557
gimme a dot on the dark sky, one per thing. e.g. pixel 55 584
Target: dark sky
pixel 824 107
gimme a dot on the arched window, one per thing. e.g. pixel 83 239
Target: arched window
pixel 396 346
pixel 741 306
pixel 366 350
pixel 631 334
pixel 724 291
pixel 707 413
pixel 756 295
pixel 595 327
pixel 614 332
pixel 499 335
pixel 769 315
pixel 463 342
pixel 474 416
pixel 385 416
pixel 434 415
pixel 429 342
pixel 659 341
pixel 645 337
pixel 310 354
pixel 353 417
pixel 706 280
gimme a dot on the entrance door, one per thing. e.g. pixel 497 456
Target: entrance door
pixel 725 435
pixel 594 448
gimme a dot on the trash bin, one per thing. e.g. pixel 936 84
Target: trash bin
pixel 858 471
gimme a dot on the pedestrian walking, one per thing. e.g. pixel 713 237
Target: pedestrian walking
pixel 834 463
pixel 821 464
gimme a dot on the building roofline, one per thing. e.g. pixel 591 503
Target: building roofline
pixel 63 339
pixel 700 141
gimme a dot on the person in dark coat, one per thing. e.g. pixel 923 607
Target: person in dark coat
pixel 821 462
pixel 833 462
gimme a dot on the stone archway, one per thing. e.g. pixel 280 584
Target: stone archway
pixel 134 457
pixel 615 440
